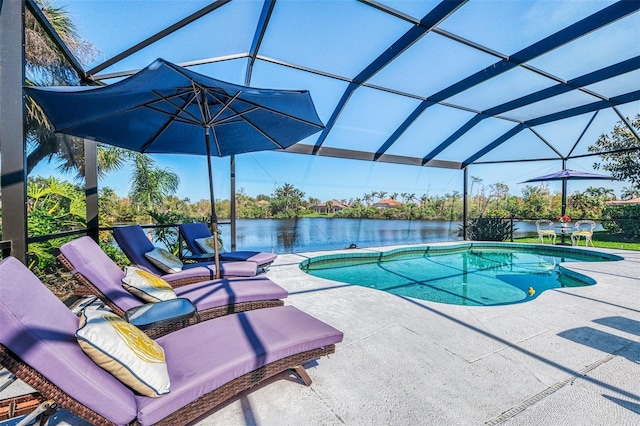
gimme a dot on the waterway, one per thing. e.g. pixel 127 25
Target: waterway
pixel 313 234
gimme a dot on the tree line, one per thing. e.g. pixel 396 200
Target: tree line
pixel 55 205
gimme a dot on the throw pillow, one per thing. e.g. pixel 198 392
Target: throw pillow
pixel 207 244
pixel 164 260
pixel 146 285
pixel 124 351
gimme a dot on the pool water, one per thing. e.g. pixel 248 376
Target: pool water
pixel 472 275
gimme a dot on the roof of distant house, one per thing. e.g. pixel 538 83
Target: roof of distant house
pixel 388 202
pixel 334 204
pixel 624 202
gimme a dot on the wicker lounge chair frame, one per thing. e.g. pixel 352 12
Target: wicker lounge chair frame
pixel 37 346
pixel 19 405
pixel 203 315
pixel 187 413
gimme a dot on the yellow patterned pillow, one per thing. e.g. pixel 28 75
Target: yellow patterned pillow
pixel 207 245
pixel 147 286
pixel 124 351
pixel 164 260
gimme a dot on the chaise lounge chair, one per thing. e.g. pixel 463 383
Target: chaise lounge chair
pixel 135 244
pixel 206 364
pixel 103 278
pixel 191 232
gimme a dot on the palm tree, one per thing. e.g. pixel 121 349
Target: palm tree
pixel 45 65
pixel 409 200
pixel 150 184
pixel 329 205
pixel 374 194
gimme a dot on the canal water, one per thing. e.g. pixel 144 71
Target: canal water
pixel 313 234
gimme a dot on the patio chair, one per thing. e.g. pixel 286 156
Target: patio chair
pixel 194 233
pixel 206 364
pixel 545 229
pixel 583 228
pixel 102 277
pixel 135 245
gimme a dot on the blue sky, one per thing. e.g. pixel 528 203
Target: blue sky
pixel 116 25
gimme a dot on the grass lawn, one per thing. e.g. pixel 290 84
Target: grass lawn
pixel 317 215
pixel 600 239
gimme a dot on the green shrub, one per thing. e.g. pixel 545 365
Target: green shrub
pixel 490 228
pixel 623 220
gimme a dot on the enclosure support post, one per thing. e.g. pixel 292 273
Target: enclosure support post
pixel 13 164
pixel 465 203
pixel 232 207
pixel 91 187
pixel 564 190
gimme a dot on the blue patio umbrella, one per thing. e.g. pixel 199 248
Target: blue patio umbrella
pixel 165 108
pixel 564 175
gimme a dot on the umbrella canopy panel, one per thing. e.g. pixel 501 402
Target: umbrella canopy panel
pixel 567 174
pixel 564 175
pixel 165 108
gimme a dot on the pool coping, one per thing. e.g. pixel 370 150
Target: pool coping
pixel 383 254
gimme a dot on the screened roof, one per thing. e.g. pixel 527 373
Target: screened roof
pixel 443 84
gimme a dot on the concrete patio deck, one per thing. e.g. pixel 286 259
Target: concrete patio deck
pixel 569 357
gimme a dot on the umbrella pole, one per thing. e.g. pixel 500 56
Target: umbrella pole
pixel 214 218
pixel 564 197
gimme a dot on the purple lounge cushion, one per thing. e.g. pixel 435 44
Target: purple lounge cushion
pixel 87 258
pixel 227 291
pixel 260 257
pixel 207 271
pixel 40 329
pixel 227 269
pixel 205 356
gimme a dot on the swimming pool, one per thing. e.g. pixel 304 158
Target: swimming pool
pixel 472 274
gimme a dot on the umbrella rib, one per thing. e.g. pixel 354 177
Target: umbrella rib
pixel 275 111
pixel 179 109
pixel 226 104
pixel 175 117
pixel 240 115
pixel 231 117
pixel 215 139
pixel 257 129
pixel 172 117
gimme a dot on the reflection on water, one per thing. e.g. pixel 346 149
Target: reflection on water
pixel 312 234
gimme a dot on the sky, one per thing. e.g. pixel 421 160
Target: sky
pixel 322 177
